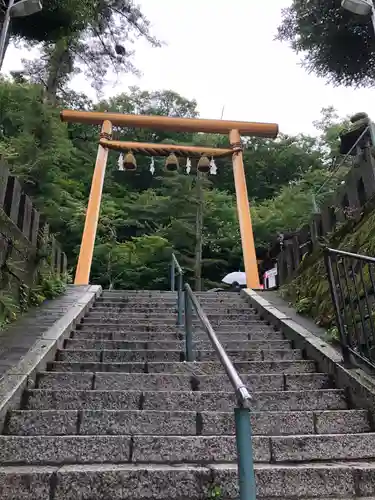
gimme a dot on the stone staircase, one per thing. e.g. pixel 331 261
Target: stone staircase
pixel 120 415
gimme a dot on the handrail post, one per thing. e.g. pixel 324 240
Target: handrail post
pixel 336 306
pixel 179 300
pixel 173 276
pixel 188 329
pixel 246 475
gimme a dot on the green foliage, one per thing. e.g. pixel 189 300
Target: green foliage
pixel 293 207
pixel 9 308
pixel 13 303
pixel 335 44
pixel 270 165
pixel 50 286
pixel 215 492
pixel 332 335
pixel 141 262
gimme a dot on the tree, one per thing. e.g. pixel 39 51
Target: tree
pixel 330 125
pixel 269 164
pixel 293 207
pixel 93 36
pixel 335 44
pixel 138 263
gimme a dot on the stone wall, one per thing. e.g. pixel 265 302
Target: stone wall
pixel 26 243
pixel 357 188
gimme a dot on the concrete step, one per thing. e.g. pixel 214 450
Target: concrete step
pixel 62 450
pixel 195 368
pixel 41 399
pixel 144 336
pixel 177 382
pixel 340 480
pixel 115 422
pixel 241 345
pixel 123 356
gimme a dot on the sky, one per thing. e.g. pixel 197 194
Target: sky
pixel 223 54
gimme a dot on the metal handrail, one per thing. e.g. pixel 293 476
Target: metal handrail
pixel 243 395
pixel 352 300
pixel 246 475
pixel 175 266
pixel 358 256
pixel 245 462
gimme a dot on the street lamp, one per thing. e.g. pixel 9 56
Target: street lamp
pixel 363 8
pixel 360 7
pixel 22 8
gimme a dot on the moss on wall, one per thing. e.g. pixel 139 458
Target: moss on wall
pixel 309 291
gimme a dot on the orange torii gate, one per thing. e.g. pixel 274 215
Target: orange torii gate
pixel 234 130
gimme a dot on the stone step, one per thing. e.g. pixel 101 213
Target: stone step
pixel 123 356
pixel 179 382
pixel 166 327
pixel 161 315
pixel 163 482
pixel 126 293
pixel 195 368
pixel 218 297
pixel 123 334
pixel 170 304
pixel 188 423
pixel 89 320
pixel 160 295
pixel 172 309
pixel 241 345
pixel 171 299
pixel 39 399
pixel 62 450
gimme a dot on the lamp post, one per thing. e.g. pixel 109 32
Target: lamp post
pixel 360 7
pixel 22 8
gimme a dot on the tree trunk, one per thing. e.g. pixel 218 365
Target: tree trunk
pixel 59 67
pixel 199 234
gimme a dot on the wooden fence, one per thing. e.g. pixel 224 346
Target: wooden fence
pixel 24 233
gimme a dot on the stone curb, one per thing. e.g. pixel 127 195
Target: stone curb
pixel 359 386
pixel 15 380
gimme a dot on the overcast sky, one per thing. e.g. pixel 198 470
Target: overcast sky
pixel 223 54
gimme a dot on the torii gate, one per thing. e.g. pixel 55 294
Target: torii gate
pixel 234 129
